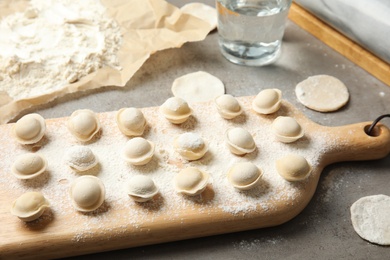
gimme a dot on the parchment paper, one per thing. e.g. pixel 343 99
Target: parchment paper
pixel 147 27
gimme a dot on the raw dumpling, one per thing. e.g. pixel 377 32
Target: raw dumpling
pixel 176 110
pixel 244 176
pixel 293 167
pixel 268 101
pixel 228 106
pixel 29 206
pixel 142 188
pixel 80 158
pixel 131 121
pixel 190 146
pixel 83 124
pixel 138 151
pixel 191 181
pixel 29 129
pixel 240 141
pixel 29 165
pixel 87 193
pixel 286 129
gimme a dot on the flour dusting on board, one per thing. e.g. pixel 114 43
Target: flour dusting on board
pixel 168 205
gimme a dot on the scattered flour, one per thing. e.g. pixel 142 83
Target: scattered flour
pixel 168 206
pixel 54 43
pixel 249 245
pixel 332 186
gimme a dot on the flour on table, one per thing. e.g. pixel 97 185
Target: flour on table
pixel 54 43
pixel 370 218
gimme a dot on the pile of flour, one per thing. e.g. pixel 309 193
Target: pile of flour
pixel 54 43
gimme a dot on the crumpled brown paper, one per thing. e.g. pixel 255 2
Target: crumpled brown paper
pixel 147 26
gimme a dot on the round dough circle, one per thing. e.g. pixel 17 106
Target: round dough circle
pixel 198 87
pixel 322 93
pixel 203 12
pixel 370 218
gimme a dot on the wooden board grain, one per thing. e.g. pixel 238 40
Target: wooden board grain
pixel 121 223
pixel 340 43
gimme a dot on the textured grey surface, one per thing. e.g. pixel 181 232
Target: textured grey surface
pixel 323 230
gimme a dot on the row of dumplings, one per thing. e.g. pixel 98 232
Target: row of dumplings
pixel 87 192
pixel 267 101
pixel 137 151
pixel 84 124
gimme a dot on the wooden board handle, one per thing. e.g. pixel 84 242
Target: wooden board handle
pixel 352 143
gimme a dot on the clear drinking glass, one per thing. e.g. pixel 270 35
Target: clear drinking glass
pixel 251 31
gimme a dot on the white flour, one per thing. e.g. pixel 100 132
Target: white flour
pixel 55 43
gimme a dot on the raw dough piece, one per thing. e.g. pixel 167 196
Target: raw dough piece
pixel 293 167
pixel 80 158
pixel 176 110
pixel 228 106
pixel 268 101
pixel 203 12
pixel 191 181
pixel 286 129
pixel 322 93
pixel 83 124
pixel 371 218
pixel 29 206
pixel 244 176
pixel 28 166
pixel 198 87
pixel 138 151
pixel 87 193
pixel 240 141
pixel 29 129
pixel 190 146
pixel 131 121
pixel 141 188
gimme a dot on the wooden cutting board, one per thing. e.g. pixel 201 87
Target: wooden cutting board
pixel 122 223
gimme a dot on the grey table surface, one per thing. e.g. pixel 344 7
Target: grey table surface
pixel 324 229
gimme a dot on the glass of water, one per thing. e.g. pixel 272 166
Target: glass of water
pixel 251 31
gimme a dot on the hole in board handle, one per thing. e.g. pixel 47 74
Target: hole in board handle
pixel 371 130
pixel 375 131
